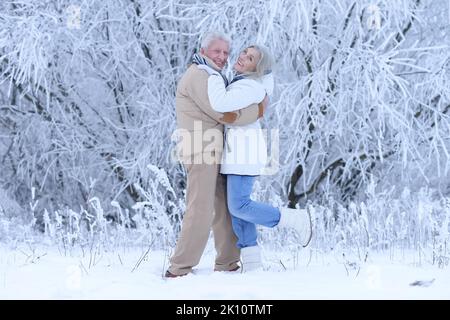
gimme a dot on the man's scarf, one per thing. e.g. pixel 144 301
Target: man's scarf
pixel 199 60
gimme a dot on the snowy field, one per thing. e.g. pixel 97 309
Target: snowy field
pixel 39 272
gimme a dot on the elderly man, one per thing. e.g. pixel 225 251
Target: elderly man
pixel 206 205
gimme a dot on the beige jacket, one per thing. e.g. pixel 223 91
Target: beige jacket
pixel 200 128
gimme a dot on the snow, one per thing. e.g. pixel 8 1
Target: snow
pixel 48 274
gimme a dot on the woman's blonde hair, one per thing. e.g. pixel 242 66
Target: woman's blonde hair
pixel 265 63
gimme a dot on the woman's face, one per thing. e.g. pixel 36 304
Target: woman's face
pixel 247 61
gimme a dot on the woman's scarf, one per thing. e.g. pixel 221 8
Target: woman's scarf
pixel 237 77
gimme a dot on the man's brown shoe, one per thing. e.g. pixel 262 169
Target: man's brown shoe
pixel 171 275
pixel 232 270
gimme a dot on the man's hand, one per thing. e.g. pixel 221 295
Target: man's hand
pixel 262 106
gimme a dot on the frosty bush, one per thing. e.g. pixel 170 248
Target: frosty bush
pixel 96 229
pixel 417 222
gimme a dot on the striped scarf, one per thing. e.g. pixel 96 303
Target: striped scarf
pixel 237 77
pixel 199 60
pixel 241 76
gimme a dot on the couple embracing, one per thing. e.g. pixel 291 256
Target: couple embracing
pixel 221 174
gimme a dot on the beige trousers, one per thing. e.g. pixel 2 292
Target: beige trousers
pixel 206 207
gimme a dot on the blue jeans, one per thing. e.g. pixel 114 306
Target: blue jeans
pixel 246 213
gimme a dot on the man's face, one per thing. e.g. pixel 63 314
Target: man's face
pixel 218 51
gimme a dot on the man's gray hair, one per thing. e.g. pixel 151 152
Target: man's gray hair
pixel 210 36
pixel 266 61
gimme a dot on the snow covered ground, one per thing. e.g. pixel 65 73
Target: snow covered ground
pixel 40 272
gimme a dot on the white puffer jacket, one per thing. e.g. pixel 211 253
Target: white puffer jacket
pixel 245 149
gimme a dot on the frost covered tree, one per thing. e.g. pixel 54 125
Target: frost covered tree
pixel 87 95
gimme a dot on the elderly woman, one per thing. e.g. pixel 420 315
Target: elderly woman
pixel 245 154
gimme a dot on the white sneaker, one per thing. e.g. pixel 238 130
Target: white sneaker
pixel 300 221
pixel 251 259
